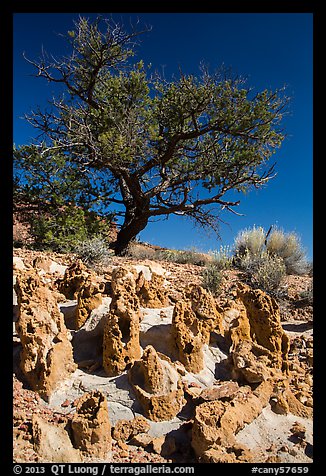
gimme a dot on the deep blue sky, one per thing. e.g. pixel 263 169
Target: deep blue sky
pixel 270 49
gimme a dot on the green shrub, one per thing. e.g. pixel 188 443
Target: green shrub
pixel 61 232
pixel 64 229
pixel 212 279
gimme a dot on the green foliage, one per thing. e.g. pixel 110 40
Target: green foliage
pixel 212 278
pixel 64 229
pixel 46 176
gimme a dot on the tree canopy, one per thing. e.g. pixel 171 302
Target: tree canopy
pixel 123 136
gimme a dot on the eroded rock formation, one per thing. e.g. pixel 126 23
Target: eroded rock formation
pixel 84 286
pixel 91 426
pixel 73 280
pixel 87 342
pixel 217 422
pixel 193 320
pixel 223 391
pixel 204 307
pixel 152 292
pixel 157 385
pixel 259 344
pixel 46 265
pixel 124 430
pixel 121 333
pixel 89 297
pixel 284 401
pixel 52 442
pixel 46 357
pixel 187 337
pixel 235 453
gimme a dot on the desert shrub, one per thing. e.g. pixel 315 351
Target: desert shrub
pixel 287 246
pixel 248 262
pixel 138 251
pixel 64 229
pixel 191 257
pixel 252 244
pixel 212 278
pixel 269 273
pixel 166 255
pixel 93 251
pixel 222 258
pixel 308 294
pixel 250 240
pixel 264 271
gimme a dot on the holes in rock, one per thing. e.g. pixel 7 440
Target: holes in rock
pixel 124 326
pixel 30 329
pixel 188 348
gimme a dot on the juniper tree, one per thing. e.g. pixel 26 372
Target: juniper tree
pixel 148 145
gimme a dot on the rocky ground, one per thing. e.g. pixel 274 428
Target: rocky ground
pixel 169 364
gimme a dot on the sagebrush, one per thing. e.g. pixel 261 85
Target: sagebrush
pixel 94 251
pixel 255 244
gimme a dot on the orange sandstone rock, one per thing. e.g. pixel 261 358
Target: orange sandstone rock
pixel 259 344
pixel 91 426
pixel 46 356
pixel 89 297
pixel 52 443
pixel 216 422
pixel 124 430
pixel 121 333
pixel 157 385
pixel 152 293
pixel 193 320
pixel 73 280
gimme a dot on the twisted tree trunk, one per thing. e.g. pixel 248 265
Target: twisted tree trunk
pixel 134 223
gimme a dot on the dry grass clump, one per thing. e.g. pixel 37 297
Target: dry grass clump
pixel 191 256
